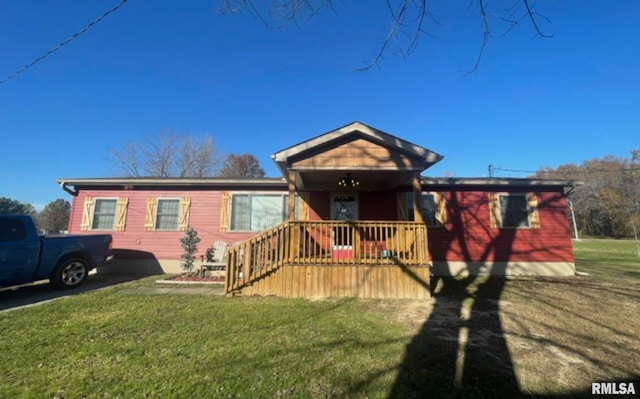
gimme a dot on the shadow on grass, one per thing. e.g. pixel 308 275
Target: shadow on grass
pixel 42 291
pixel 460 351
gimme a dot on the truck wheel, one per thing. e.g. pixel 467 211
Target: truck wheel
pixel 70 273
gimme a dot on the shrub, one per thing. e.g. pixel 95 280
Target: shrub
pixel 190 245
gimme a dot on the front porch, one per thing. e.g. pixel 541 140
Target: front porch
pixel 316 259
pixel 342 181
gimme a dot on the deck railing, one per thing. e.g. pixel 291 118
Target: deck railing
pixel 326 243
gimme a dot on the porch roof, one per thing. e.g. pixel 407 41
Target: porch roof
pixel 375 157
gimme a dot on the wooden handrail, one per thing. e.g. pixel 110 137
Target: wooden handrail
pixel 326 243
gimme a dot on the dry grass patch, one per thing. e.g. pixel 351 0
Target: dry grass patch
pixel 542 337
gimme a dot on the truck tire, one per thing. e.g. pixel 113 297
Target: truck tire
pixel 70 273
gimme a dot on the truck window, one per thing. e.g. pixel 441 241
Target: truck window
pixel 12 230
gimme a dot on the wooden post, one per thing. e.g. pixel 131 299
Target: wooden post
pixel 247 259
pixel 417 198
pixel 294 242
pixel 292 195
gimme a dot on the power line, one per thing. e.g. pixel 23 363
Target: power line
pixel 563 171
pixel 63 43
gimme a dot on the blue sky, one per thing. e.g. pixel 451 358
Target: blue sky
pixel 184 66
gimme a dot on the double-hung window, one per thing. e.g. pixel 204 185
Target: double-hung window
pixel 257 211
pixel 104 214
pixel 167 214
pixel 514 210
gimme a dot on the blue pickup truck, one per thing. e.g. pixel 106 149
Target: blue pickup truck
pixel 65 260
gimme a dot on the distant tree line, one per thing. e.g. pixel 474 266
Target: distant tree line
pixel 172 154
pixel 52 218
pixel 608 203
pixel 168 154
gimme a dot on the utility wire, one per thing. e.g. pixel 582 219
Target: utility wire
pixel 59 46
pixel 493 168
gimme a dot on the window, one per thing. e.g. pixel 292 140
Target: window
pixel 257 212
pixel 167 214
pixel 514 210
pixel 433 209
pixel 104 214
pixel 12 230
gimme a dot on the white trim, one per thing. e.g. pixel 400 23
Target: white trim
pixel 283 194
pixel 155 219
pixel 519 268
pixel 93 213
pixel 461 269
pixel 484 182
pixel 526 203
pixel 367 131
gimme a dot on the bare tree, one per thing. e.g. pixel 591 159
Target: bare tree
pixel 55 216
pixel 169 154
pixel 243 165
pixel 127 159
pixel 608 204
pixel 408 20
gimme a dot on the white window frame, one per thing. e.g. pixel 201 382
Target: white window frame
pixel 285 210
pixel 157 215
pixel 93 213
pixel 528 209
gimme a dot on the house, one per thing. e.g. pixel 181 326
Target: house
pixel 350 216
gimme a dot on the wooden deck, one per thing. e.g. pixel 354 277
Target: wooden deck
pixel 359 281
pixel 368 259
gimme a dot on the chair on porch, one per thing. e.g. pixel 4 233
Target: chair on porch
pixel 214 258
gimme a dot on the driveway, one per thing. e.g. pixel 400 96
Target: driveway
pixel 41 292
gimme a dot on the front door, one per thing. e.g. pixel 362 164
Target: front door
pixel 344 206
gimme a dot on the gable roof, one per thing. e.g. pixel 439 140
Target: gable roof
pixel 355 130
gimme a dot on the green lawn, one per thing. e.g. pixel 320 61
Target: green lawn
pixel 610 260
pixel 109 344
pixel 543 337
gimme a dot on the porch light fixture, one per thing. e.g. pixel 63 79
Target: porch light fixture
pixel 348 181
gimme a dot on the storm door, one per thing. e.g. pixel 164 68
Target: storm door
pixel 344 207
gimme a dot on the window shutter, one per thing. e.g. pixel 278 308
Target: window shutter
pixel 87 214
pixel 150 218
pixel 304 206
pixel 121 213
pixel 534 216
pixel 185 205
pixel 402 207
pixel 225 210
pixel 441 208
pixel 494 210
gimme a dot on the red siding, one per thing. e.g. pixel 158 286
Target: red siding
pixel 379 205
pixel 319 206
pixel 204 217
pixel 468 235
